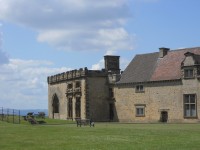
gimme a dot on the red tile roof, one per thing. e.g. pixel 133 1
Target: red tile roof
pixel 149 67
pixel 169 67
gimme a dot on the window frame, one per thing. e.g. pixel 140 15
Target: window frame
pixel 139 88
pixel 187 104
pixel 189 73
pixel 138 108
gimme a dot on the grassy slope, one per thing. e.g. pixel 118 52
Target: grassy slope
pixel 104 136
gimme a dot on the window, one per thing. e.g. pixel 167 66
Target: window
pixel 198 71
pixel 139 88
pixel 69 86
pixel 140 110
pixel 55 104
pixel 78 107
pixel 78 84
pixel 188 73
pixel 111 94
pixel 190 105
pixel 70 108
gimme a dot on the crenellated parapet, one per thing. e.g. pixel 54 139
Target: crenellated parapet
pixel 69 75
pixel 74 74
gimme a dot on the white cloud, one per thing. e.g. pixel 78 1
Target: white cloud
pixel 73 24
pixel 99 65
pixel 23 83
pixel 110 52
pixel 3 55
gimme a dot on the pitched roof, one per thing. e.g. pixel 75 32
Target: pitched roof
pixel 149 67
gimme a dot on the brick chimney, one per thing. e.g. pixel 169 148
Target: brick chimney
pixel 163 51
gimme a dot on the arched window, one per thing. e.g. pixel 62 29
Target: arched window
pixel 55 104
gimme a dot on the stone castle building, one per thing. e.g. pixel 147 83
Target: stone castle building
pixel 84 93
pixel 162 86
pixel 157 87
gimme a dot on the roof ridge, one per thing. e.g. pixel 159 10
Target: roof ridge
pixel 146 53
pixel 181 49
pixel 171 50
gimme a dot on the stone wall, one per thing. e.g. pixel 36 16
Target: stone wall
pixel 157 97
pixel 59 90
pixel 98 98
pixel 94 96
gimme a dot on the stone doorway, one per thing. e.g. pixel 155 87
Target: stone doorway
pixel 55 106
pixel 111 109
pixel 164 116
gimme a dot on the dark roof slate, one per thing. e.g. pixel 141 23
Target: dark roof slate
pixel 149 67
pixel 140 68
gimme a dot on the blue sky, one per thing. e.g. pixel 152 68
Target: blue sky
pixel 42 38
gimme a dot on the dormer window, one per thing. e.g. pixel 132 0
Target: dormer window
pixel 188 73
pixel 139 88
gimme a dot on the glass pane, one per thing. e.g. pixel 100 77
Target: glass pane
pixel 193 110
pixel 141 88
pixel 140 111
pixel 191 73
pixel 192 98
pixel 187 110
pixel 138 88
pixel 186 100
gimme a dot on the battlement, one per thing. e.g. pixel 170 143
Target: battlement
pixel 75 74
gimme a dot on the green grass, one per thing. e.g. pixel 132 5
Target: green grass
pixel 64 135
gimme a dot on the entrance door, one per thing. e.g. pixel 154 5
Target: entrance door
pixel 164 116
pixel 111 107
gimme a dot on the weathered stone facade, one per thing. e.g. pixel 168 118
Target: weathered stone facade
pixel 158 87
pixel 83 93
pixel 163 97
pixel 158 97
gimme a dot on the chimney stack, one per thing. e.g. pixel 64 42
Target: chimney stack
pixel 163 51
pixel 112 64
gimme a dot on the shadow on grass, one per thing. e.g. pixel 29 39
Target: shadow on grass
pixel 41 122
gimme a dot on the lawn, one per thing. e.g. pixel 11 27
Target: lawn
pixel 63 135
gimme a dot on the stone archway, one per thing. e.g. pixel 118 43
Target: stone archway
pixel 55 104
